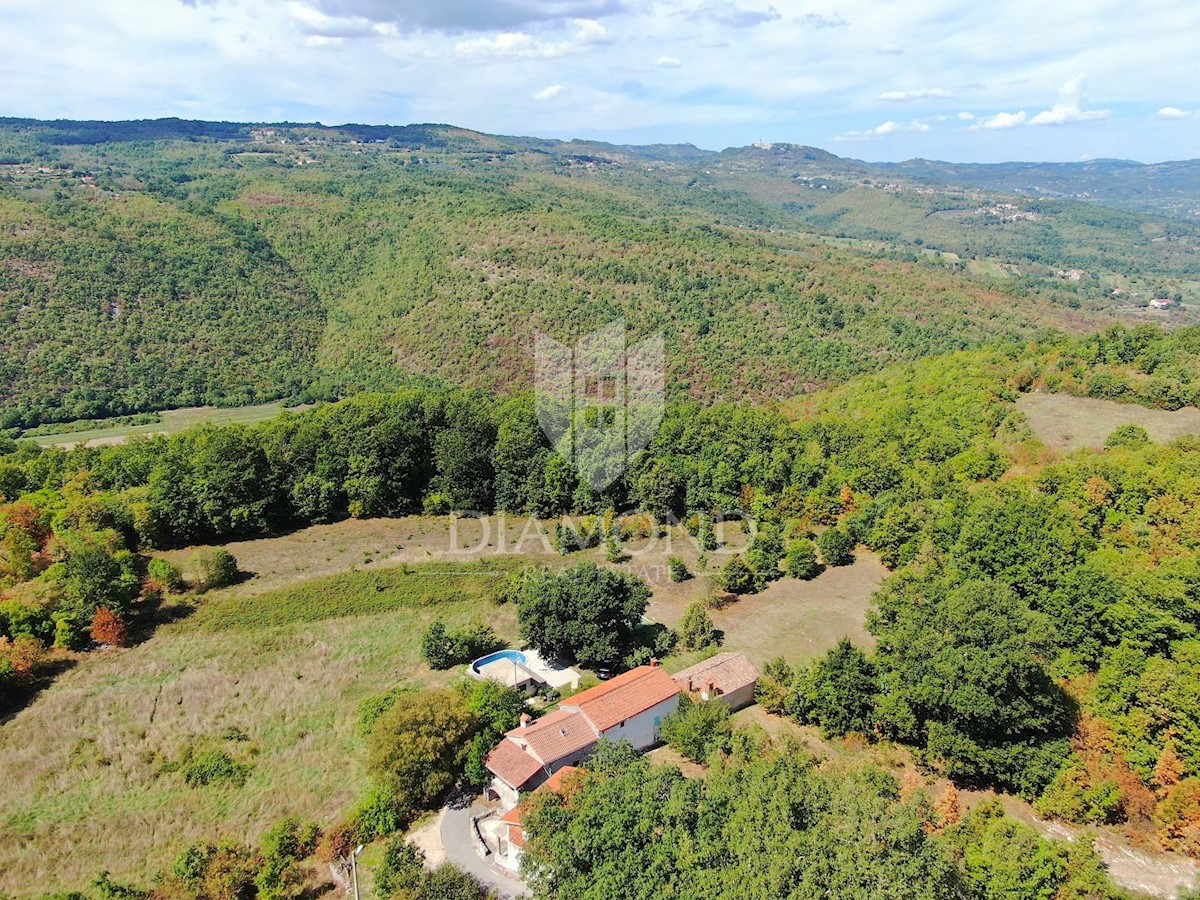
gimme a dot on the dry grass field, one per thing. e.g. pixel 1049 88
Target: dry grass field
pixel 1068 423
pixel 173 420
pixel 328 616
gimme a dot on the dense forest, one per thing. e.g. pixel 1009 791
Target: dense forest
pixel 846 348
pixel 146 268
pixel 1038 633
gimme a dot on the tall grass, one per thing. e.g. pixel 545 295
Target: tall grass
pixel 359 593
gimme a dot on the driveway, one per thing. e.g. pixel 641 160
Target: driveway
pixel 459 844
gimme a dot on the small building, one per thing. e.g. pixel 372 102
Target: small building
pixel 630 707
pixel 728 677
pixel 511 838
pixel 1162 302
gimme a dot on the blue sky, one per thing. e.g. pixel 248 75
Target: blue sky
pixel 1025 79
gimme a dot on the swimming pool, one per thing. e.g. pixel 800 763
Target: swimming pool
pixel 515 655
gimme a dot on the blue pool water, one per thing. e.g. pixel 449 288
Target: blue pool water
pixel 514 655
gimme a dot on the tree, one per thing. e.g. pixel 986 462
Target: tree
pixel 836 546
pixel 737 577
pixel 802 560
pixel 837 693
pixel 584 614
pixel 698 729
pixel 109 628
pixel 677 569
pixel 417 748
pixel 696 629
pixel 965 662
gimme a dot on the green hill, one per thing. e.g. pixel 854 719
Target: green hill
pixel 158 264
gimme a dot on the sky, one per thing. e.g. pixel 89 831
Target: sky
pixel 963 81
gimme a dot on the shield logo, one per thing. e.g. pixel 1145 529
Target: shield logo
pixel 599 402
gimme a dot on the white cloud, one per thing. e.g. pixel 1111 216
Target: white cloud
pixel 589 31
pixel 919 94
pixel 668 62
pixel 549 92
pixel 1001 120
pixel 885 129
pixel 966 116
pixel 510 44
pixel 1174 113
pixel 1070 107
pixel 889 50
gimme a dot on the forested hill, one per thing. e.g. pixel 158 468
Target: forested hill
pixel 153 264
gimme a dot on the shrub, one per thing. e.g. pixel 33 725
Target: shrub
pixel 696 629
pixel 213 767
pixel 283 848
pixel 569 539
pixel 1128 436
pixel 802 560
pixel 214 568
pixel 71 630
pixel 19 619
pixel 109 628
pixel 836 546
pixel 371 709
pixel 698 729
pixel 442 648
pixel 678 569
pixel 165 575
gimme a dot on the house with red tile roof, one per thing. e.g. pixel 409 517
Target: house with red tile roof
pixel 512 838
pixel 727 677
pixel 630 707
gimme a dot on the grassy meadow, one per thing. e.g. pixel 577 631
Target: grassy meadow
pixel 1065 422
pixel 274 681
pixel 271 671
pixel 173 420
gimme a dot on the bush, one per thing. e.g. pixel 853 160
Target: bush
pixel 678 569
pixel 371 709
pixel 442 648
pixel 1128 436
pixel 836 546
pixel 19 619
pixel 213 767
pixel 698 729
pixel 214 568
pixel 283 848
pixel 165 575
pixel 109 628
pixel 71 630
pixel 696 629
pixel 802 560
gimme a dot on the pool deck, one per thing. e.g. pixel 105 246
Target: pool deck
pixel 510 672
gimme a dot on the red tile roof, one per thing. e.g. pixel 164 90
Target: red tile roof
pixel 514 818
pixel 511 764
pixel 557 735
pixel 623 697
pixel 728 671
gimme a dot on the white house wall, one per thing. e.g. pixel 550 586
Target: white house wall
pixel 642 730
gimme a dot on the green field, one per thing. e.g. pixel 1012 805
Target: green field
pixel 173 420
